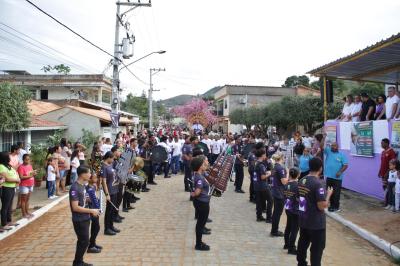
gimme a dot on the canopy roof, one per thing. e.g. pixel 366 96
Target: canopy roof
pixel 377 63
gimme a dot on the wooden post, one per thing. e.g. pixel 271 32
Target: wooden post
pixel 325 101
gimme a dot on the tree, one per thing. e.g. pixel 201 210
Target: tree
pixel 60 69
pixel 294 81
pixel 252 116
pixel 197 110
pixel 137 105
pixel 14 112
pixel 293 111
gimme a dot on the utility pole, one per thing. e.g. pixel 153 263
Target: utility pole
pixel 115 93
pixel 153 71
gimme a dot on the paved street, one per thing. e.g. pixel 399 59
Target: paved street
pixel 160 231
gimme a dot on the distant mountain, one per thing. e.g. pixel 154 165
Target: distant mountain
pixel 177 100
pixel 184 98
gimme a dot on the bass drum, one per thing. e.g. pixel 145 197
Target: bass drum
pixel 204 148
pixel 158 154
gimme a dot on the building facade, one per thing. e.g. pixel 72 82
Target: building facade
pixel 232 97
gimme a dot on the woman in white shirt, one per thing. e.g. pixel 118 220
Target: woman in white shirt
pixel 347 108
pixel 74 165
pixel 356 110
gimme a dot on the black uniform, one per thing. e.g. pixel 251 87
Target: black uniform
pixel 81 221
pixel 202 205
pixel 292 215
pixel 109 173
pixel 277 192
pixel 188 150
pixel 312 220
pixel 262 190
pixel 239 172
pixel 252 163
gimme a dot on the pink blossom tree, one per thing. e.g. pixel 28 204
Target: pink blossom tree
pixel 197 110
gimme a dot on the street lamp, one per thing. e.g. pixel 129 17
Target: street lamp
pixel 131 63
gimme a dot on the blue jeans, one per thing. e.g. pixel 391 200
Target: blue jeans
pixel 175 164
pixel 51 188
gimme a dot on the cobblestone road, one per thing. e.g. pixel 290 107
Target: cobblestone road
pixel 160 231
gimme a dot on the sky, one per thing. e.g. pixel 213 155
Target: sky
pixel 209 43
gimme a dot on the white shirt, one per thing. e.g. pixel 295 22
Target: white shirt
pixel 392 176
pixel 390 101
pixel 75 164
pixel 216 147
pixel 397 187
pixel 51 175
pixel 346 111
pixel 177 148
pixel 356 108
pixel 166 147
pixel 307 141
pixel 105 148
pixel 208 142
pixel 21 154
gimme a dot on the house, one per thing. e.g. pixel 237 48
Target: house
pixel 63 88
pixel 231 97
pixel 37 132
pixel 76 101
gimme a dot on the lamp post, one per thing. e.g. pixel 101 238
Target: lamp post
pixel 143 57
pixel 153 71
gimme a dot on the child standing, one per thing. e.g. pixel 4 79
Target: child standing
pixel 74 165
pixel 304 162
pixel 51 178
pixel 93 204
pixel 393 164
pixel 397 190
pixel 26 174
pixel 291 209
pixel 80 214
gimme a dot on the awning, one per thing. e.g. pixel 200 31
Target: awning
pixel 377 63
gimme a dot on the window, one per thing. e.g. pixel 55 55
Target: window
pixel 44 94
pixel 225 104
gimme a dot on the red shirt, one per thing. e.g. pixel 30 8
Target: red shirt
pixel 386 156
pixel 24 170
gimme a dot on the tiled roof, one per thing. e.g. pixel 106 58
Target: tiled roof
pixel 101 114
pixel 40 122
pixel 38 108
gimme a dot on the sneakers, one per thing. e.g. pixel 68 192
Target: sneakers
pixel 277 234
pixel 53 197
pixel 292 251
pixel 268 221
pixel 260 219
pixel 109 232
pixel 388 207
pixel 202 247
pixel 93 250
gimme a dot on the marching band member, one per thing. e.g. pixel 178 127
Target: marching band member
pixel 201 197
pixel 110 186
pixel 80 214
pixel 93 204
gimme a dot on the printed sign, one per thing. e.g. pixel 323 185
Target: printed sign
pixel 330 135
pixel 361 141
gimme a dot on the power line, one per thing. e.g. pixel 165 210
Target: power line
pixel 83 38
pixel 71 61
pixel 47 53
pixel 71 30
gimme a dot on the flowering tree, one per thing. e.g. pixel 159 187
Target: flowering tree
pixel 197 110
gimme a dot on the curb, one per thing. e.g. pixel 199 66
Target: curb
pixel 24 222
pixel 380 243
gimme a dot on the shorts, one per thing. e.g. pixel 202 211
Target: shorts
pixel 25 189
pixel 62 174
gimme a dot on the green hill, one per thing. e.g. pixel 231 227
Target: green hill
pixel 184 98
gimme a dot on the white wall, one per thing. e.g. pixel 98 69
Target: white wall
pixel 75 121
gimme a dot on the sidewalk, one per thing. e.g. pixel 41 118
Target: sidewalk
pixel 37 200
pixel 368 213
